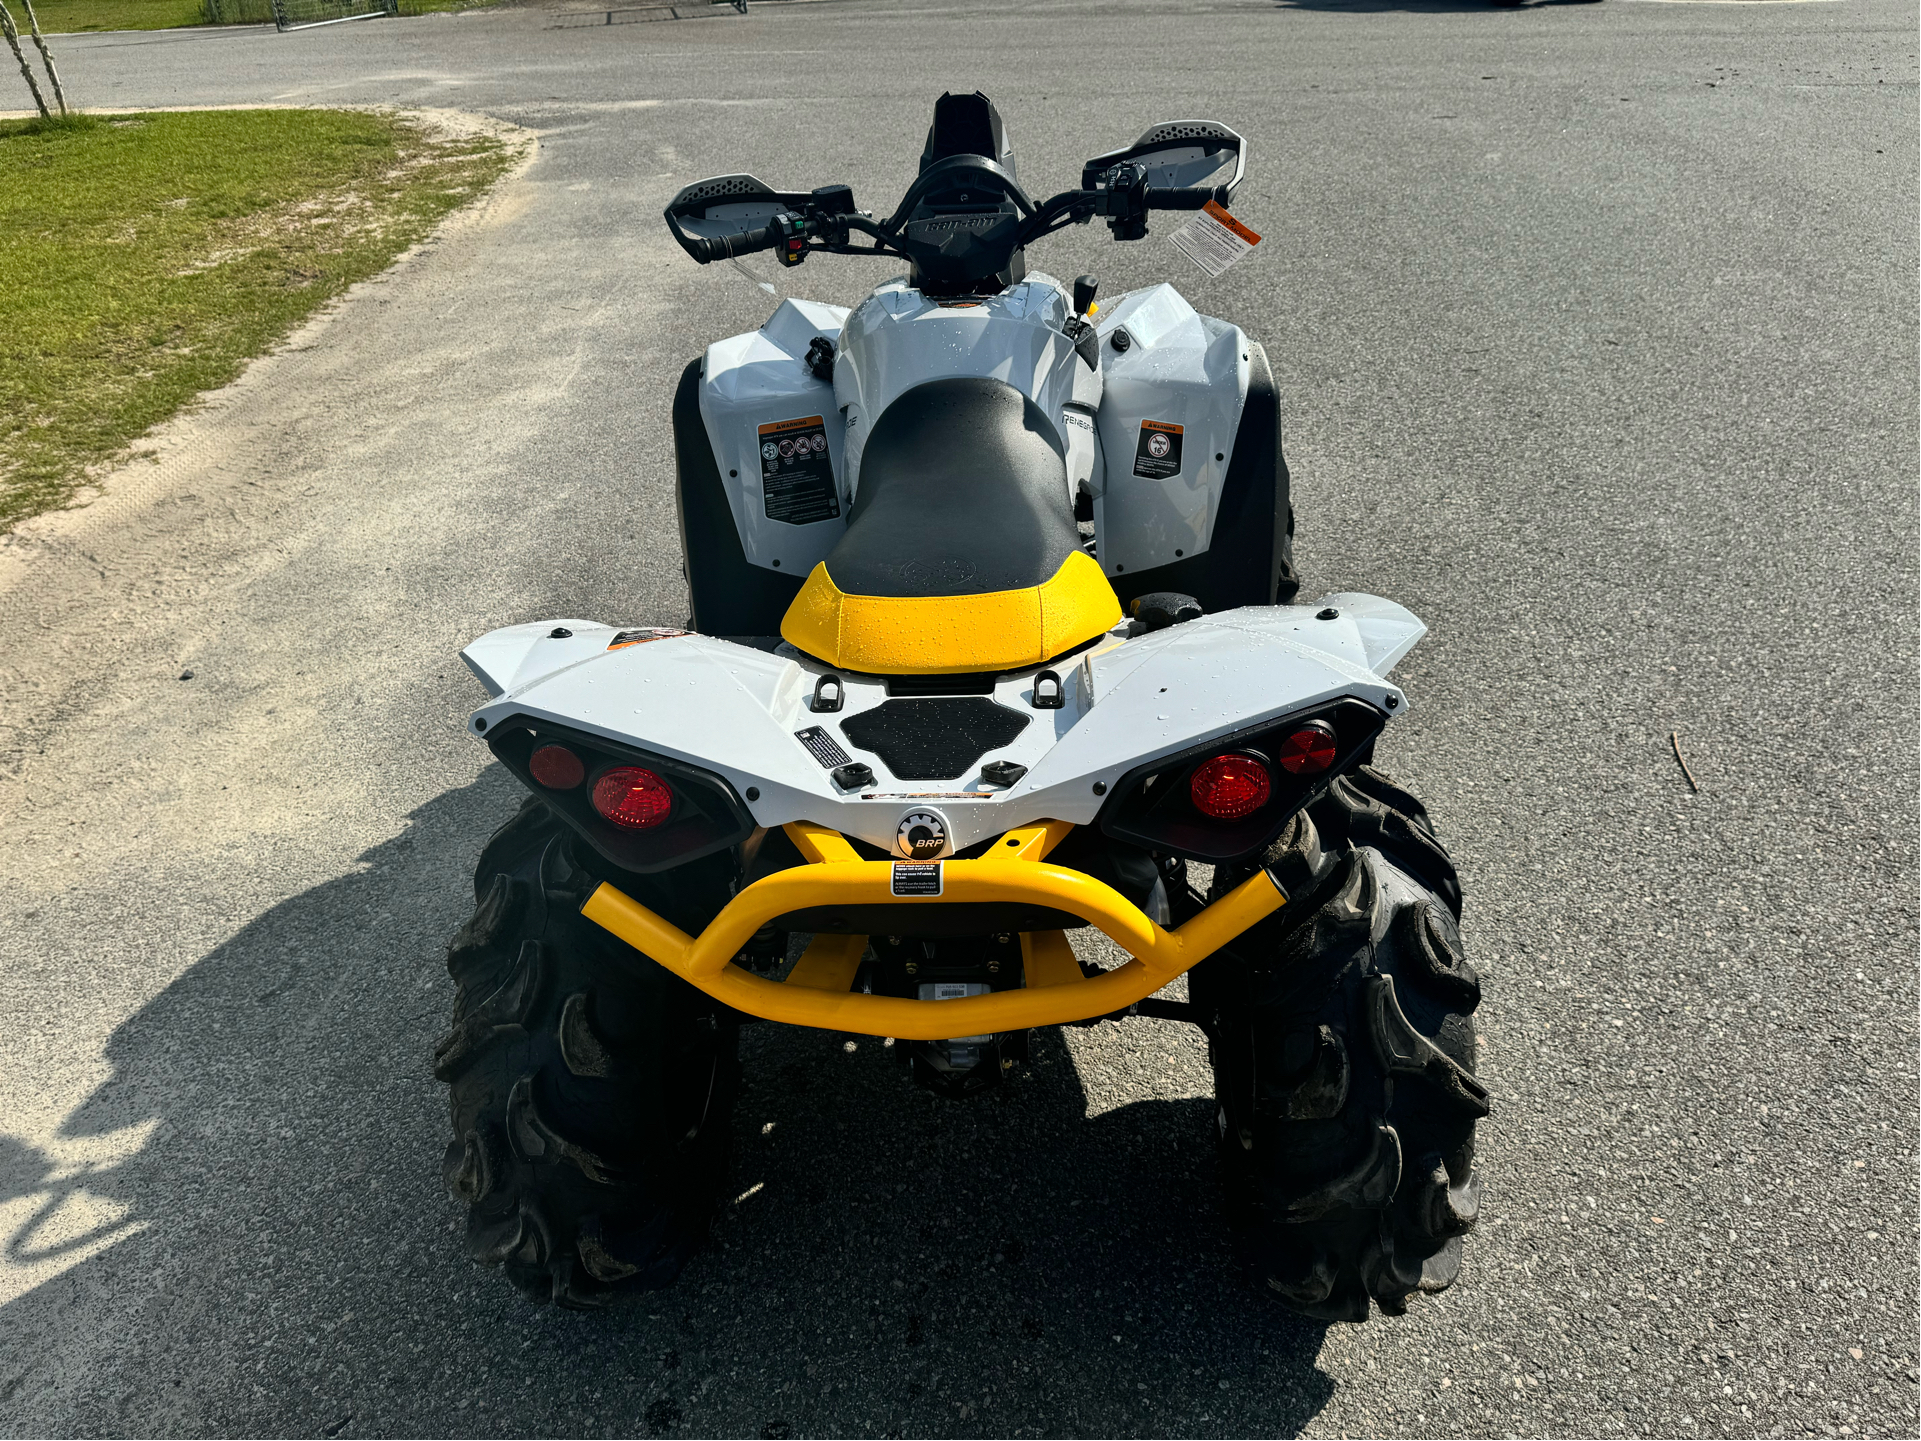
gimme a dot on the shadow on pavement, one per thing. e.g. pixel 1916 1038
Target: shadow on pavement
pixel 896 1265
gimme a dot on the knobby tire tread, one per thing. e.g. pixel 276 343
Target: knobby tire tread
pixel 1343 1047
pixel 590 1091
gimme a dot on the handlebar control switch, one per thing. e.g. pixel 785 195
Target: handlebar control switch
pixel 827 213
pixel 1126 202
pixel 792 243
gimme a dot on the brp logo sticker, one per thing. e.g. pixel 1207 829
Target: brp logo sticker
pixel 921 835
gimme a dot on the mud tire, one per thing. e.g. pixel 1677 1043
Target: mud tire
pixel 1343 1050
pixel 591 1091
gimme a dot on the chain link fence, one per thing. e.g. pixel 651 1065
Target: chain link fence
pixel 300 14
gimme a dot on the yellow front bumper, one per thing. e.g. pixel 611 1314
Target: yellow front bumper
pixel 816 992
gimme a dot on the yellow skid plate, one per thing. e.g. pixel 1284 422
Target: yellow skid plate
pixel 816 992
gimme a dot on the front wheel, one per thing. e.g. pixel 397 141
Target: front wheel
pixel 591 1091
pixel 1343 1055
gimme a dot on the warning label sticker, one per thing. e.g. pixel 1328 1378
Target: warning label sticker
pixel 917 878
pixel 1158 454
pixel 1213 239
pixel 797 472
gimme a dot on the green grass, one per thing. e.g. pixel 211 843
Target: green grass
pixel 145 259
pixel 74 16
pixel 67 16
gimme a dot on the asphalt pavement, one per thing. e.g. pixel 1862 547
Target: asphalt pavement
pixel 1596 331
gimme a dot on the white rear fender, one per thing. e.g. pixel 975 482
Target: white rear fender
pixel 1388 631
pixel 1364 631
pixel 741 713
pixel 518 655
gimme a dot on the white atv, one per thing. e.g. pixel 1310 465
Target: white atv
pixel 991 641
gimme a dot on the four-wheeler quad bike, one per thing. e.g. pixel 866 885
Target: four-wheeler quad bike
pixel 926 718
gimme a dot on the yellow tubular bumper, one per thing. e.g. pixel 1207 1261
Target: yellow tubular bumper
pixel 816 993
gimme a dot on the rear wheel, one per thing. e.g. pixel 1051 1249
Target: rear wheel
pixel 591 1091
pixel 1343 1054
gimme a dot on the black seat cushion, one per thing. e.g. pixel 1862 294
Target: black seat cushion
pixel 963 491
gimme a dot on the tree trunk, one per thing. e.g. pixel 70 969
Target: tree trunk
pixel 46 56
pixel 26 71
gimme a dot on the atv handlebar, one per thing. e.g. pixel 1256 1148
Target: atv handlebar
pixel 726 247
pixel 1123 205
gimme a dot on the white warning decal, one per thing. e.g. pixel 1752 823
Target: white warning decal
pixel 1213 239
pixel 917 878
pixel 797 474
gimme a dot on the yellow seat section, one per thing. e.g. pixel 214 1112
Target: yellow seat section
pixel 952 634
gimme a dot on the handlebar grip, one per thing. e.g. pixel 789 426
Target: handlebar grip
pixel 1191 198
pixel 725 247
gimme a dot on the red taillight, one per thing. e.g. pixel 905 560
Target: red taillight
pixel 556 768
pixel 1309 751
pixel 633 797
pixel 1229 787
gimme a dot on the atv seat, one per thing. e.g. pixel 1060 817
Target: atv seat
pixel 960 554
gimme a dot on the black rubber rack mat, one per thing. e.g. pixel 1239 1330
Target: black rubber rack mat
pixel 934 739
